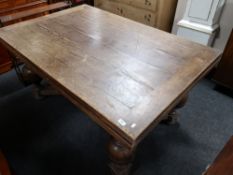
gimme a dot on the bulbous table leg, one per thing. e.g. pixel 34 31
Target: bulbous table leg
pixel 29 77
pixel 40 90
pixel 43 91
pixel 121 158
pixel 172 117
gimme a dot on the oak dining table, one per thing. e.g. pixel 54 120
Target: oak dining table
pixel 126 76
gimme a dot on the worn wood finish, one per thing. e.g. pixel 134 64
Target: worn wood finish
pixel 223 164
pixel 224 72
pixel 124 75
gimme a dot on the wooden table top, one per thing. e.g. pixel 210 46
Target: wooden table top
pixel 126 76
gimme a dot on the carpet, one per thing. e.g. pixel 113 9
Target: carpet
pixel 53 137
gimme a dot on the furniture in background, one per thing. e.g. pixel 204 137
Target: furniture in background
pixel 223 164
pixel 200 22
pixel 13 11
pixel 79 2
pixel 90 2
pixel 129 77
pixel 155 13
pixel 75 2
pixel 5 6
pixel 224 72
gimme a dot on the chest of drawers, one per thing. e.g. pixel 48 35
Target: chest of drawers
pixel 13 11
pixel 4 4
pixel 7 7
pixel 156 13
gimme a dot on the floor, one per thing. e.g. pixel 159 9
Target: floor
pixel 52 137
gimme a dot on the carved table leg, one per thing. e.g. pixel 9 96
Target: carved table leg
pixel 121 158
pixel 41 90
pixel 172 117
pixel 29 77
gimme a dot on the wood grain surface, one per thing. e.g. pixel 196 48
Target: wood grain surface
pixel 126 76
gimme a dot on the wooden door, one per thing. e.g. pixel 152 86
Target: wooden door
pixel 5 61
pixel 224 73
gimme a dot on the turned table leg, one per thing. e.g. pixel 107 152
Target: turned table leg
pixel 40 90
pixel 29 77
pixel 121 158
pixel 172 117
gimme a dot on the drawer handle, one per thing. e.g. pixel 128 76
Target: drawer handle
pixel 147 17
pixel 147 2
pixel 120 10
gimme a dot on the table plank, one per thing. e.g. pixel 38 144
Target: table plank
pixel 124 74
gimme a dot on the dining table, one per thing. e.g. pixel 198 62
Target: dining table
pixel 126 76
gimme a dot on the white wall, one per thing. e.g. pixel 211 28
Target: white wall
pixel 226 22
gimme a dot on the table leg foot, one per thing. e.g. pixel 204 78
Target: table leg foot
pixel 36 93
pixel 120 158
pixel 172 117
pixel 43 91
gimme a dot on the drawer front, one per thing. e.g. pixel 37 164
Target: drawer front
pixel 111 7
pixel 140 15
pixel 160 18
pixel 144 4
